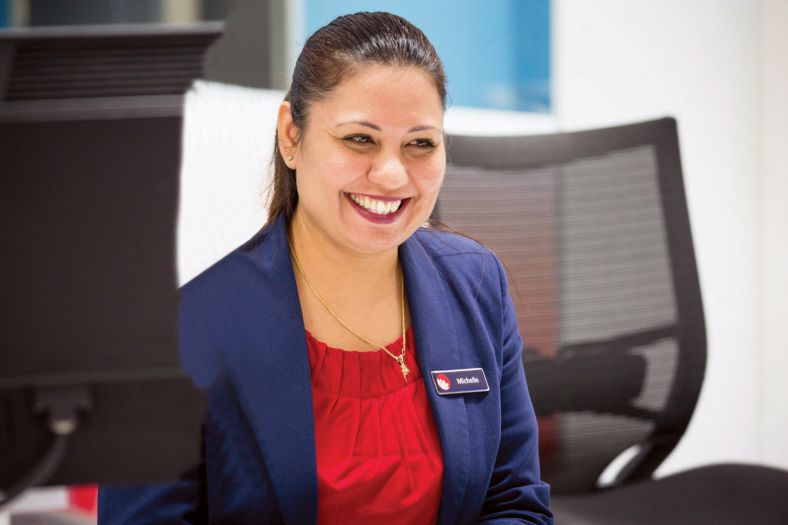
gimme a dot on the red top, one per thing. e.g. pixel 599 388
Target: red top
pixel 378 453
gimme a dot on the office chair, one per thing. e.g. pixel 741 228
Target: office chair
pixel 593 229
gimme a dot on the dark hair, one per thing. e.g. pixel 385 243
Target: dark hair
pixel 333 53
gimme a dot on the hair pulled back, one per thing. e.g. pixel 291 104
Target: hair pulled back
pixel 332 54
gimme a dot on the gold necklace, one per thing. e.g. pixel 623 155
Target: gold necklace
pixel 400 359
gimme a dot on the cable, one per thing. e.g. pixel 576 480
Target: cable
pixel 62 406
pixel 40 473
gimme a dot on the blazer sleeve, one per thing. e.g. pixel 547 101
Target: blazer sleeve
pixel 516 493
pixel 180 502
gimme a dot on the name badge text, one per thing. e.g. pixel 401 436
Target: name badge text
pixel 460 381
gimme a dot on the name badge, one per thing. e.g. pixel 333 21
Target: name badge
pixel 461 381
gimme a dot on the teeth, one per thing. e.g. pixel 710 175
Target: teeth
pixel 376 206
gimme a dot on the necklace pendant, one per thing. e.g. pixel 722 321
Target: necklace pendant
pixel 403 367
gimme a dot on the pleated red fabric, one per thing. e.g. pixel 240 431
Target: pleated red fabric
pixel 378 453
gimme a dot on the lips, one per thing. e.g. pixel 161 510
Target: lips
pixel 378 209
pixel 378 206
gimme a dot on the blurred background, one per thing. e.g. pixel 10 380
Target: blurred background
pixel 720 67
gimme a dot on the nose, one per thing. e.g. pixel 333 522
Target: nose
pixel 388 171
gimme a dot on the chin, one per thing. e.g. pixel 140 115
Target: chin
pixel 377 245
pixel 378 240
pixel 370 238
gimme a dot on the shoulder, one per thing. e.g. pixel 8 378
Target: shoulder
pixel 216 282
pixel 211 309
pixel 462 261
pixel 455 251
pixel 443 243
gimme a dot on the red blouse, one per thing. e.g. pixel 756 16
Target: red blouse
pixel 378 453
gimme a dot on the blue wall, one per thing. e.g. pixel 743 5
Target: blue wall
pixel 5 13
pixel 496 54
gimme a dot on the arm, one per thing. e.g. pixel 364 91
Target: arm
pixel 183 501
pixel 516 493
pixel 179 502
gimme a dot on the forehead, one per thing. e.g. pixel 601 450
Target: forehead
pixel 394 96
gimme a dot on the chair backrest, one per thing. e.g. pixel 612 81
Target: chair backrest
pixel 593 229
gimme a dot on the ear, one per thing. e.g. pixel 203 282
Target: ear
pixel 287 135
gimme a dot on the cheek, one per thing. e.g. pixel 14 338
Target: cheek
pixel 328 174
pixel 430 177
pixel 339 170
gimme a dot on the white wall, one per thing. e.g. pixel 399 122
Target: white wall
pixel 701 61
pixel 773 263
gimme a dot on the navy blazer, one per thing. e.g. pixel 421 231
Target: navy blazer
pixel 243 341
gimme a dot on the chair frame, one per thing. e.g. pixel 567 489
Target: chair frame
pixel 539 150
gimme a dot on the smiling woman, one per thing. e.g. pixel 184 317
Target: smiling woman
pixel 336 344
pixel 375 140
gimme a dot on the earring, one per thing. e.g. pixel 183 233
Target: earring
pixel 290 158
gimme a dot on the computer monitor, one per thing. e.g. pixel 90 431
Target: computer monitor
pixel 88 298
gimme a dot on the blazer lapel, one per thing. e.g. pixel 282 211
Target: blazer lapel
pixel 270 367
pixel 438 348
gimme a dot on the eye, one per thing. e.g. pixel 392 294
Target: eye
pixel 358 139
pixel 423 143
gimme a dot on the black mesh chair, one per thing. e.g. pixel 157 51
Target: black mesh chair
pixel 593 229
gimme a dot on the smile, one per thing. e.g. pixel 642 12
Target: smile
pixel 379 207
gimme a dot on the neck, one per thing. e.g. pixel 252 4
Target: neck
pixel 362 289
pixel 330 266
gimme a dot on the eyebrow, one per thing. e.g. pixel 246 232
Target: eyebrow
pixel 377 128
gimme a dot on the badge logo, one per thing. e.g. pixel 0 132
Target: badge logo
pixel 443 382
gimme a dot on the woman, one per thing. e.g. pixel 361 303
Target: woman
pixel 359 368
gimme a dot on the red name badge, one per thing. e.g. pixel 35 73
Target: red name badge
pixel 460 381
